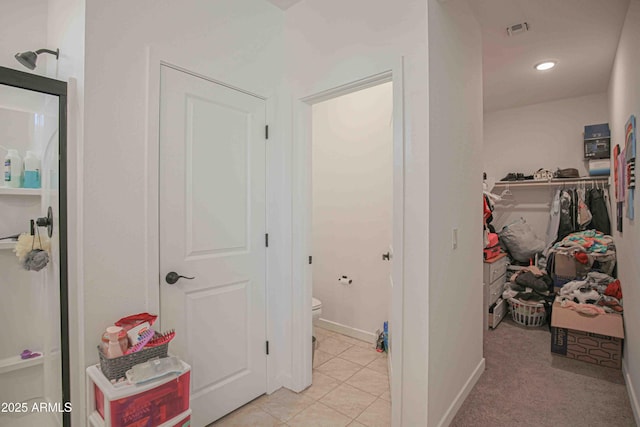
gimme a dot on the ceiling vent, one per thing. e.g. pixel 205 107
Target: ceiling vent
pixel 517 29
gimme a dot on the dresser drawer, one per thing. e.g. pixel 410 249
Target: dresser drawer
pixel 495 291
pixel 497 312
pixel 494 270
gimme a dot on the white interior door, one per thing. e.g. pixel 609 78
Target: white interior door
pixel 212 228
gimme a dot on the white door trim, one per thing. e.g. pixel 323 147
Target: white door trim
pixel 155 59
pixel 301 228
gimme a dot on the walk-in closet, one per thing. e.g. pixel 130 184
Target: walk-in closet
pixel 558 212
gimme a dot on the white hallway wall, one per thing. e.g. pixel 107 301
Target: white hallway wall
pixel 624 100
pixel 331 43
pixel 524 139
pixel 352 196
pixel 237 42
pixel 239 38
pixel 455 184
pixel 361 42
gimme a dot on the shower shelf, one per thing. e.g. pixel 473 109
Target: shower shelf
pixel 7 245
pixel 16 363
pixel 5 191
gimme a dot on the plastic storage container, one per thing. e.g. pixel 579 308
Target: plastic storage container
pixel 13 169
pixel 163 402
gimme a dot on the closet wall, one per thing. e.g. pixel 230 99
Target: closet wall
pixel 624 100
pixel 547 135
pixel 455 271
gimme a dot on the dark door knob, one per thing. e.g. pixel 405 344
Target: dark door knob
pixel 173 277
pixel 386 257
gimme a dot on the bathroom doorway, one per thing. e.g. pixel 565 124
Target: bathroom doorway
pixel 306 261
pixel 352 177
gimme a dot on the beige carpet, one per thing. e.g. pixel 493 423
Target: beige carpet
pixel 524 385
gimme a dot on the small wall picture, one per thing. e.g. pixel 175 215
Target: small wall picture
pixel 630 158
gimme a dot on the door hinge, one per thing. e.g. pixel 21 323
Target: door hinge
pixel 310 259
pixel 266 132
pixel 267 347
pixel 266 240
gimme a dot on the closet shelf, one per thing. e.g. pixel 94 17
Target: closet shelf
pixel 4 245
pixel 6 191
pixel 599 180
pixel 15 363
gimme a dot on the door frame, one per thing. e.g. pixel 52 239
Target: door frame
pixel 153 275
pixel 58 88
pixel 302 211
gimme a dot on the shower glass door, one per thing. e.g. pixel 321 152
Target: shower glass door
pixel 34 384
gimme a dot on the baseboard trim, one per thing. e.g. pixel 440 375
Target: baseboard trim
pixel 281 380
pixel 460 398
pixel 347 330
pixel 633 397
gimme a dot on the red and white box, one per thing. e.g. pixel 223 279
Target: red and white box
pixel 163 402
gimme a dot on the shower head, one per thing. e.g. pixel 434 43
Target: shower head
pixel 28 59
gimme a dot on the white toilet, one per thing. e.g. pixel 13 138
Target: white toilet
pixel 316 308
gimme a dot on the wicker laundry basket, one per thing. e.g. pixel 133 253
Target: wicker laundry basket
pixel 530 314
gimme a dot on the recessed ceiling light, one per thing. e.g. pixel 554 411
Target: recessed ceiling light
pixel 546 65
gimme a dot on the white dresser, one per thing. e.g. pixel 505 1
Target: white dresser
pixel 494 277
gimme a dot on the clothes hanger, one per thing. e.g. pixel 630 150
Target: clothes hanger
pixel 507 194
pixel 506 191
pixel 492 196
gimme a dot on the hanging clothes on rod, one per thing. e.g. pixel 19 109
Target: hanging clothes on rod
pixel 554 220
pixel 579 209
pixel 568 213
pixel 596 201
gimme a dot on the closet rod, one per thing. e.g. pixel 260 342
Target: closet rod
pixel 554 182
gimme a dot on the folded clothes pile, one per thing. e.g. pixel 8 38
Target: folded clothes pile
pixel 597 289
pixel 589 241
pixel 529 284
pixel 591 249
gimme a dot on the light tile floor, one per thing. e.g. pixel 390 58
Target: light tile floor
pixel 350 388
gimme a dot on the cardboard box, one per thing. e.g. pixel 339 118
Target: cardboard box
pixel 596 340
pixel 566 268
pixel 597 131
pixel 597 148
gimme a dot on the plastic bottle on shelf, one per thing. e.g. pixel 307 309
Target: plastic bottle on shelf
pixel 31 170
pixel 12 169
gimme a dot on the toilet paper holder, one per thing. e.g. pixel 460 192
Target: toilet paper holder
pixel 345 280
